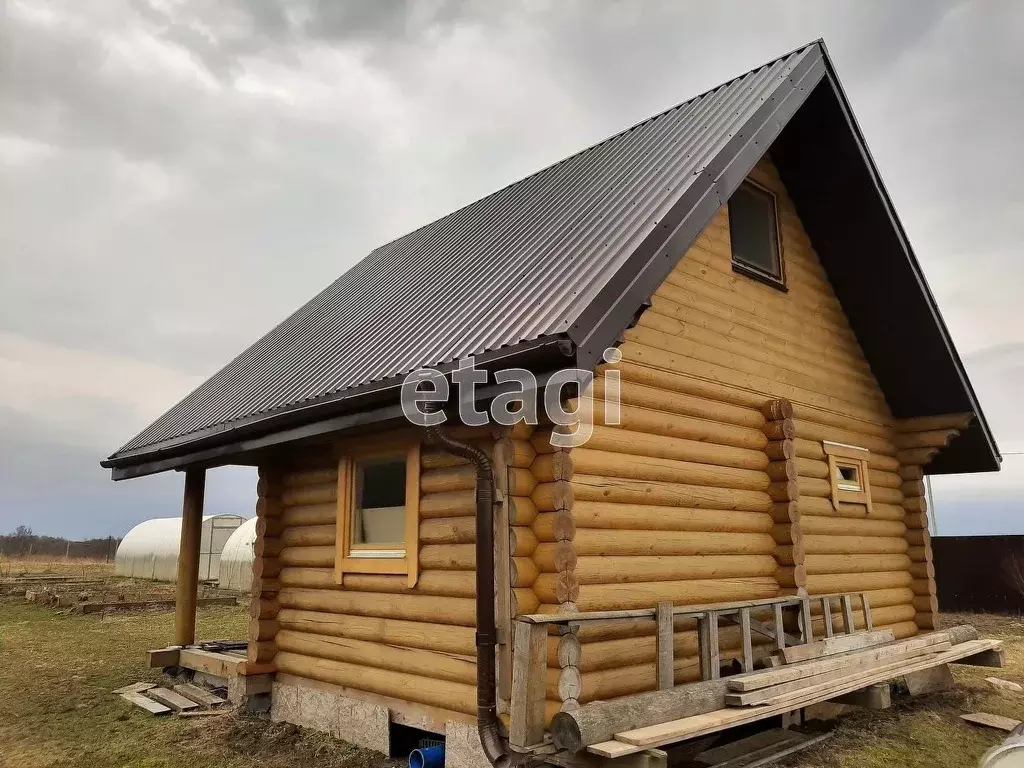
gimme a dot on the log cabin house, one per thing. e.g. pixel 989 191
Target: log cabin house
pixel 786 381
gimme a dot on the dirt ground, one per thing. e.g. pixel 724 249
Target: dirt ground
pixel 56 709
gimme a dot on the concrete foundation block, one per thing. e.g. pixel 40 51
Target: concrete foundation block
pixel 357 722
pixel 462 747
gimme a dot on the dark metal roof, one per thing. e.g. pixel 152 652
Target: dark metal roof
pixel 571 252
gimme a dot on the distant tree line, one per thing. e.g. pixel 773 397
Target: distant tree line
pixel 23 542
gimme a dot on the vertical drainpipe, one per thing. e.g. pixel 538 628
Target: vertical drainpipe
pixel 486 633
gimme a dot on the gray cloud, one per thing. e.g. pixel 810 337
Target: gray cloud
pixel 175 178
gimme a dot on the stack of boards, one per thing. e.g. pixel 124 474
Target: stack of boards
pixel 186 699
pixel 803 675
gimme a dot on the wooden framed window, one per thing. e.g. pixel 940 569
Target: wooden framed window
pixel 754 233
pixel 848 473
pixel 378 512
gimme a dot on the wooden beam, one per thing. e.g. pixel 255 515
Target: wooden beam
pixel 666 638
pixel 188 557
pixel 529 676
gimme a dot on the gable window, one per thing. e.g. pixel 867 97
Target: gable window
pixel 378 512
pixel 848 473
pixel 754 233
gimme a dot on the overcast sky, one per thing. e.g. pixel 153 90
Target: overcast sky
pixel 176 177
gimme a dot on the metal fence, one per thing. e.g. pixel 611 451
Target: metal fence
pixel 979 574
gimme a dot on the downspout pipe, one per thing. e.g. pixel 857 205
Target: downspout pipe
pixel 494 746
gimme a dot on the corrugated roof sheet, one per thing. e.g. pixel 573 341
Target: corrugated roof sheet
pixel 518 265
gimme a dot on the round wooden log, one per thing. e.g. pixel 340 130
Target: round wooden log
pixel 593 541
pixel 785 533
pixel 780 430
pixel 310 477
pixel 309 536
pixel 324 493
pixel 269 507
pixel 887 495
pixel 885 597
pixel 811 449
pixel 570 684
pixel 551 497
pixel 777 410
pixel 782 471
pixel 780 450
pixel 266 568
pixel 817 564
pixel 448 530
pixel 809 430
pixel 610 597
pixel 541 440
pixel 262 629
pixel 556 587
pixel 618 440
pixel 523 601
pixel 961 633
pixel 267 547
pixel 937 438
pixel 416 661
pixel 813 505
pixel 568 651
pixel 821 525
pixel 958 421
pixel 441 583
pixel 314 578
pixel 829 583
pixel 450 504
pixel 615 489
pixel 269 527
pixel 609 515
pixel 522 541
pixel 926 603
pixel 790 554
pixel 602 569
pixel 260 652
pixel 457 697
pixel 605 463
pixel 267 487
pixel 446 557
pixel 685 405
pixel 521 510
pixel 601 720
pixel 263 608
pixel 554 526
pixel 515 453
pixel 551 557
pixel 813 486
pixel 521 482
pixel 448 479
pixel 439 637
pixel 831 545
pixel 912 488
pixel 910 472
pixel 916 504
pixel 784 491
pixel 523 572
pixel 786 513
pixel 459 611
pixel 791 576
pixel 918 537
pixel 920 554
pixel 549 467
pixel 311 514
pixel 918 456
pixel 314 557
pixel 922 586
pixel 924 569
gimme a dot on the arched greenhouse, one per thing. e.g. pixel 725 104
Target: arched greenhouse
pixel 236 558
pixel 150 549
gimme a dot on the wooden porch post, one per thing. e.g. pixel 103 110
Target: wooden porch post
pixel 188 557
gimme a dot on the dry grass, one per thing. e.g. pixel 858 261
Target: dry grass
pixel 48 565
pixel 927 732
pixel 56 709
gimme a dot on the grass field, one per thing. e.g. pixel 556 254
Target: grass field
pixel 56 709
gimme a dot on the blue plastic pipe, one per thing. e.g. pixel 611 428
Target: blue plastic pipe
pixel 428 757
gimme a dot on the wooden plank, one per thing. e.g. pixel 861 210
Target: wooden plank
pixel 710 665
pixel 701 725
pixel 199 695
pixel 135 688
pixel 665 642
pixel 820 682
pixel 780 630
pixel 866 606
pixel 218 664
pixel 529 676
pixel 834 645
pixel 139 700
pixel 748 651
pixel 826 615
pixel 762 679
pixel 808 626
pixel 848 623
pixel 169 698
pixel 991 721
pixel 164 657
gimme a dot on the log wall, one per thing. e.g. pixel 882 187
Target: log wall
pixel 374 633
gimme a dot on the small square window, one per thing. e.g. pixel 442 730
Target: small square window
pixel 848 478
pixel 754 233
pixel 848 469
pixel 378 512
